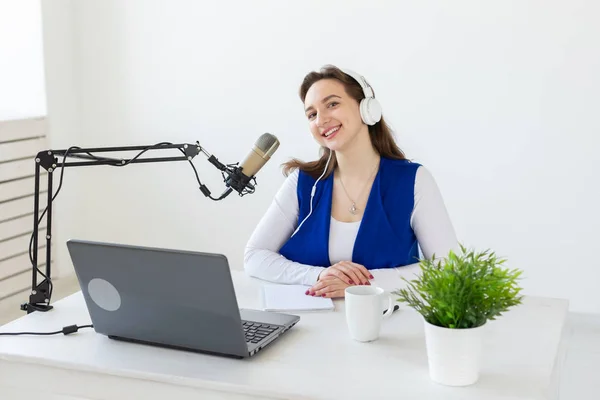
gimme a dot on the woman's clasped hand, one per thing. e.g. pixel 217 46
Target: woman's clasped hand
pixel 334 280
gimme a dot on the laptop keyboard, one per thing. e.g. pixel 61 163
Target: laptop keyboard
pixel 255 332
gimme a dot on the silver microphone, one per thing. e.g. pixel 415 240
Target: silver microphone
pixel 263 149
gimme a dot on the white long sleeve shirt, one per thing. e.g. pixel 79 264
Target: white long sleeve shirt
pixel 429 220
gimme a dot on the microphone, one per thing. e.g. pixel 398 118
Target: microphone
pixel 239 178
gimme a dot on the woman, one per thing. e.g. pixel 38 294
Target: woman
pixel 362 207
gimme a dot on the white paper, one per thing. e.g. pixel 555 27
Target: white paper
pixel 293 298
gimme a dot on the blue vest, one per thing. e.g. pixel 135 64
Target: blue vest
pixel 385 238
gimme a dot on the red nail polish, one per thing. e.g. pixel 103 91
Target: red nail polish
pixel 307 292
pixel 312 294
pixel 371 276
pixel 324 295
pixel 351 282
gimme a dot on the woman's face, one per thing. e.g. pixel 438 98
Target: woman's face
pixel 333 116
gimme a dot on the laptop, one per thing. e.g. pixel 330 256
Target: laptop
pixel 170 298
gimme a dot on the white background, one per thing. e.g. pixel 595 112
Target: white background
pixel 21 60
pixel 498 99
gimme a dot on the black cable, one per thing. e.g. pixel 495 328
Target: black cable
pixel 122 164
pixel 67 330
pixel 203 187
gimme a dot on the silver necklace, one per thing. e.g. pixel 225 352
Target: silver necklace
pixel 353 209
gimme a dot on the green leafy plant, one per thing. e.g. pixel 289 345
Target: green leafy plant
pixel 462 290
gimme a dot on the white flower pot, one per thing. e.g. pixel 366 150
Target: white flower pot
pixel 454 355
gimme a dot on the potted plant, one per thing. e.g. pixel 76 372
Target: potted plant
pixel 456 296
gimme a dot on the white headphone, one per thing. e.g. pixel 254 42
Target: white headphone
pixel 370 109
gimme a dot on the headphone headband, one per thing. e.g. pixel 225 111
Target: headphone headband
pixel 370 109
pixel 367 89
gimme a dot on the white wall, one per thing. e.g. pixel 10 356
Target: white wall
pixel 498 99
pixel 22 92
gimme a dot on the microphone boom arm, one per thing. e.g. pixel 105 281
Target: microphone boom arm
pixel 39 299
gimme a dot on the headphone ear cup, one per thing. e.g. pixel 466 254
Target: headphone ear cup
pixel 370 110
pixel 374 110
pixel 364 114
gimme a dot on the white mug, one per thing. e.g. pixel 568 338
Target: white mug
pixel 364 311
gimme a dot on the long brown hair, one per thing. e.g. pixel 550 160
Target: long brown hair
pixel 380 133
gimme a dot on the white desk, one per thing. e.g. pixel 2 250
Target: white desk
pixel 316 360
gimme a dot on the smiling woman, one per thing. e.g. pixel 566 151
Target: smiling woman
pixel 362 206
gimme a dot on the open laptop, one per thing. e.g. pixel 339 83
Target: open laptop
pixel 170 298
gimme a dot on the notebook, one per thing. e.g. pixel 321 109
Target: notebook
pixel 293 298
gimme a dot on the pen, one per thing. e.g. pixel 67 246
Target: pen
pixel 396 308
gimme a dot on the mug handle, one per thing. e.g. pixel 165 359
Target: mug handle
pixel 387 313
